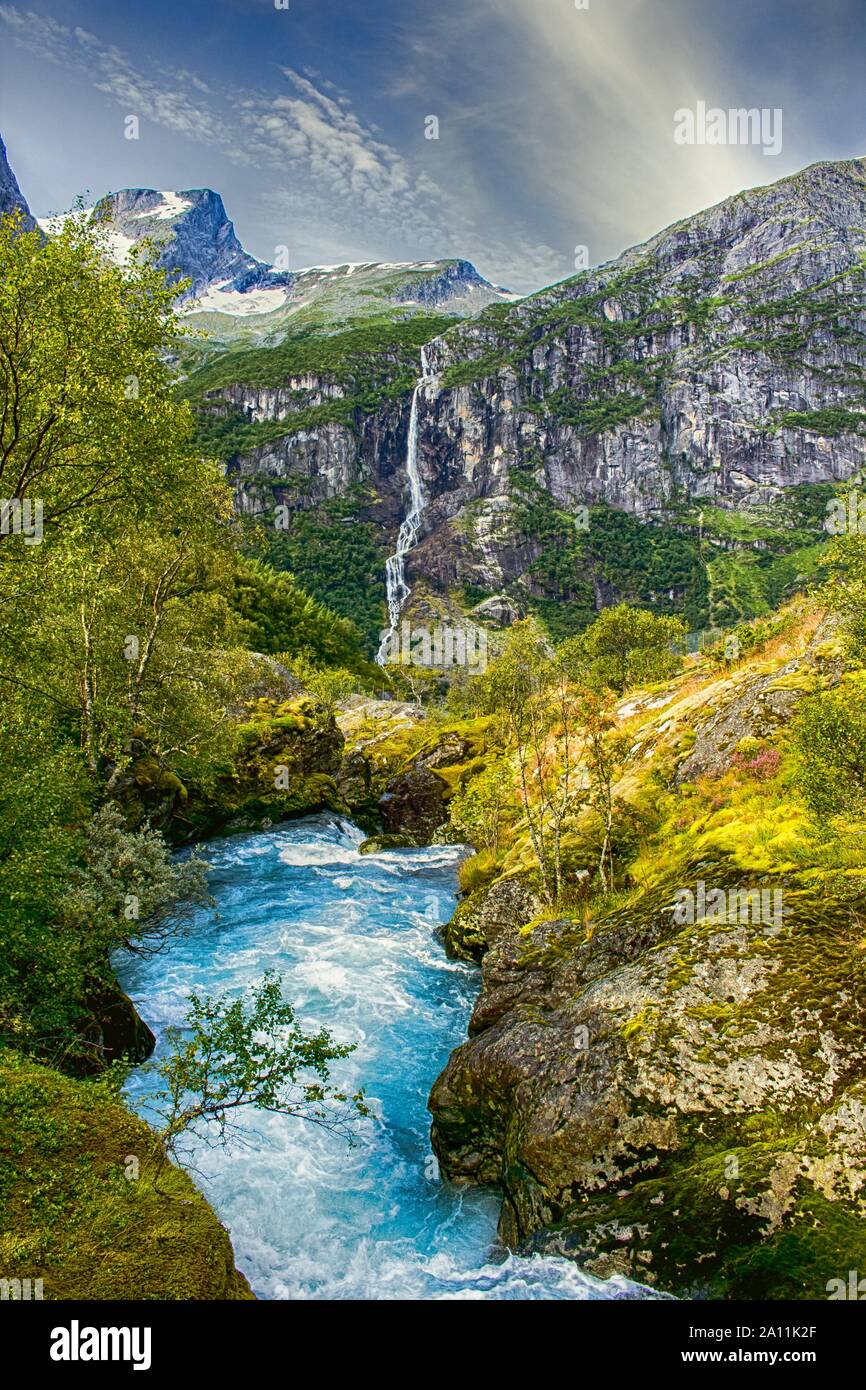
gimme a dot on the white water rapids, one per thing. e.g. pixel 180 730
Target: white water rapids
pixel 354 938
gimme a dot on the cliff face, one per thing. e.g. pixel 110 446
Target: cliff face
pixel 716 366
pixel 197 238
pixel 319 461
pixel 722 361
pixel 11 197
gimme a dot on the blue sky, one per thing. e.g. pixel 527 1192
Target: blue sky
pixel 555 123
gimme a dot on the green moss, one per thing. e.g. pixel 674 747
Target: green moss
pixel 463 936
pixel 75 1215
pixel 701 1226
pixel 285 767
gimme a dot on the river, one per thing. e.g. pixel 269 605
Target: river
pixel 354 938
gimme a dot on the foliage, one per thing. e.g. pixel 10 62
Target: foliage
pixel 626 646
pixel 566 750
pixel 848 591
pixel 656 565
pixel 477 812
pixel 44 972
pixel 128 891
pixel 249 1053
pixel 330 686
pixel 87 423
pixel 833 421
pixel 376 359
pixel 829 740
pixel 336 557
pixel 119 645
pixel 281 618
pixel 118 623
pixel 72 890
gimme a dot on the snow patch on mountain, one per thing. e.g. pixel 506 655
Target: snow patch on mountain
pixel 193 240
pixel 222 299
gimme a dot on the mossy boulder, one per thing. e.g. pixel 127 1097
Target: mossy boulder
pixel 481 919
pixel 115 1030
pixel 149 793
pixel 88 1206
pixel 681 1103
pixel 414 803
pixel 286 765
pixel 354 779
pixel 415 799
pixel 377 843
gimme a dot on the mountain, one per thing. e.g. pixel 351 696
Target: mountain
pixel 665 428
pixel 197 242
pixel 229 286
pixel 11 196
pixel 323 298
pixel 698 396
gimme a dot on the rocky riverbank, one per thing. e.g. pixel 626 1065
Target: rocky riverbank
pixel 680 1102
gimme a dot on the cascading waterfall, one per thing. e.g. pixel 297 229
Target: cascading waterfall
pixel 396 588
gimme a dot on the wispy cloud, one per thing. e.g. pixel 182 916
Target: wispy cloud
pixel 557 127
pixel 344 174
pixel 168 103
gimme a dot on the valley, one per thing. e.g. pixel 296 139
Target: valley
pixel 485 672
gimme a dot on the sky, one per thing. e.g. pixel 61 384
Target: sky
pixel 555 118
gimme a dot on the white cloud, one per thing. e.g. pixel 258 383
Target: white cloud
pixel 345 177
pixel 557 130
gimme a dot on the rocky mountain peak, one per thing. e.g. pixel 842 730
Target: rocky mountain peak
pixel 11 196
pixel 197 237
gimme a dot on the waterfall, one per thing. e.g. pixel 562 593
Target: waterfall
pixel 396 588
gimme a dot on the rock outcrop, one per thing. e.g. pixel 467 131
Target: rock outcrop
pixel 679 1105
pixel 286 766
pixel 194 237
pixel 720 365
pixel 679 1096
pixel 722 360
pixel 11 197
